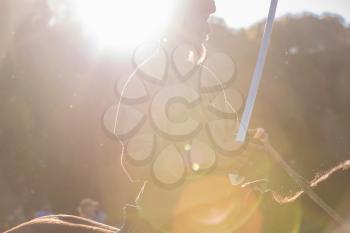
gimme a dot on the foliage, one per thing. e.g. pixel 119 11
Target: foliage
pixel 54 88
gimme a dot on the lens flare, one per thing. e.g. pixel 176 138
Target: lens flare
pixel 212 204
pixel 123 24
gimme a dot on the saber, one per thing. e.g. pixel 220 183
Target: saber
pixel 253 90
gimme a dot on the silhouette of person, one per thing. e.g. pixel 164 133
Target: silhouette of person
pixel 175 197
pixel 45 209
pixel 17 217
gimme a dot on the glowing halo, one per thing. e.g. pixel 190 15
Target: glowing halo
pixel 229 209
pixel 123 24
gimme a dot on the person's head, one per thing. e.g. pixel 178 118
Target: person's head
pixel 87 208
pixel 46 205
pixel 18 210
pixel 190 19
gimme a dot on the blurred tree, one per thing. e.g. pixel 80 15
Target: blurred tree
pixel 54 88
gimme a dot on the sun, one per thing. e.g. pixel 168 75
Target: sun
pixel 123 24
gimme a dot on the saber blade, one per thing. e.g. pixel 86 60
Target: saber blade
pixel 257 73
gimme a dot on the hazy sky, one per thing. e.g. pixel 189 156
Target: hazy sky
pixel 246 12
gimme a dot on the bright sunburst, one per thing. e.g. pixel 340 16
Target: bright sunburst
pixel 123 24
